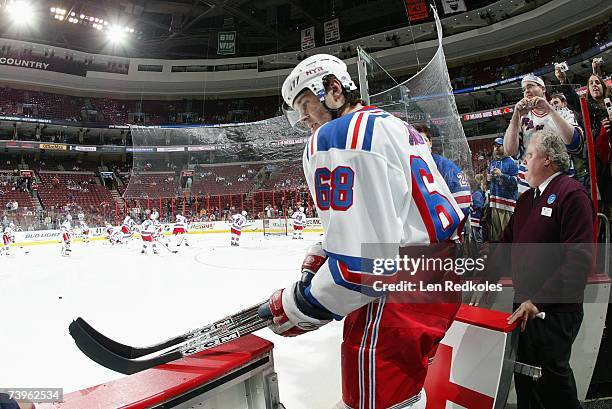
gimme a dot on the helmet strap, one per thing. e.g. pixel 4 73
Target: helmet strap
pixel 334 112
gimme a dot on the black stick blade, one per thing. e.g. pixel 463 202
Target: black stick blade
pixel 123 350
pixel 98 353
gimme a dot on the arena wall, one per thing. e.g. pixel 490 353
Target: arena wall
pixel 27 238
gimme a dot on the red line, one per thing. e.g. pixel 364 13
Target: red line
pixel 502 201
pixel 463 199
pixel 312 138
pixel 356 131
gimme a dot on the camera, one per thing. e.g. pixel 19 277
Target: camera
pixel 562 66
pixel 608 104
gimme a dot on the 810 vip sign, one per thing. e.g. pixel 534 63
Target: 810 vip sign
pixel 227 43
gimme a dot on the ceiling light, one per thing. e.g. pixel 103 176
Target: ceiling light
pixel 20 12
pixel 115 34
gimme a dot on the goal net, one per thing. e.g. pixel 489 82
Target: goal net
pixel 277 227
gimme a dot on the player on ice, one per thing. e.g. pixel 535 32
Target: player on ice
pixel 238 222
pixel 374 181
pixel 112 235
pixel 299 220
pixel 127 228
pixel 180 230
pixel 8 237
pixel 66 230
pixel 148 230
pixel 84 228
pixel 158 234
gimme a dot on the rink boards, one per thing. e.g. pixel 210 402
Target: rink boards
pixel 26 238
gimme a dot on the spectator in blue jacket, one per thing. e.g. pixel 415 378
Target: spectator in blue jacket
pixel 503 189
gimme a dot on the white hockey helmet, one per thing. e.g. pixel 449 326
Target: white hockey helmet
pixel 12 225
pixel 302 209
pixel 68 217
pixel 244 213
pixel 309 74
pixel 154 216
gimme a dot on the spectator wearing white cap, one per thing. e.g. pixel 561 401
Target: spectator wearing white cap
pixel 533 113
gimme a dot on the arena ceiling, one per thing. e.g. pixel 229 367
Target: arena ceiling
pixel 188 28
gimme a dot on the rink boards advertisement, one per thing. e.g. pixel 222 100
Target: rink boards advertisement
pixel 313 225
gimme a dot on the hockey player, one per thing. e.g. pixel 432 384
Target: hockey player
pixel 374 181
pixel 159 228
pixel 84 228
pixel 533 113
pixel 8 237
pixel 66 230
pixel 238 222
pixel 180 230
pixel 147 232
pixel 299 220
pixel 127 228
pixel 112 235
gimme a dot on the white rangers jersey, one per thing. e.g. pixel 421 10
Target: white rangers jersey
pixel 299 218
pixel 147 228
pixel 66 226
pixel 128 222
pixel 238 221
pixel 534 121
pixel 181 221
pixel 158 228
pixel 373 180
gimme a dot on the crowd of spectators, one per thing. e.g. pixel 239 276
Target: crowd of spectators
pixel 502 180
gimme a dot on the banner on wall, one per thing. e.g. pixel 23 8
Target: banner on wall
pixel 331 29
pixel 308 38
pixel 226 44
pixel 417 10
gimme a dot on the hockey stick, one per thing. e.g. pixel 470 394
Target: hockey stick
pixel 90 347
pixel 131 352
pixel 164 245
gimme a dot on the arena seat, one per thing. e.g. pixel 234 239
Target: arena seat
pixel 61 188
pixel 152 185
pixel 224 180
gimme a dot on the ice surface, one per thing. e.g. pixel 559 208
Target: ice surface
pixel 140 300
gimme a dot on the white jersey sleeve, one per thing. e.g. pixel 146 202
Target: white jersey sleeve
pixel 374 181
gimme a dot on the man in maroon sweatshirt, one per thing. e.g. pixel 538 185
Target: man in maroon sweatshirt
pixel 551 254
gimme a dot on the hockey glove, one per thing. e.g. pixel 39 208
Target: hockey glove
pixel 315 258
pixel 292 314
